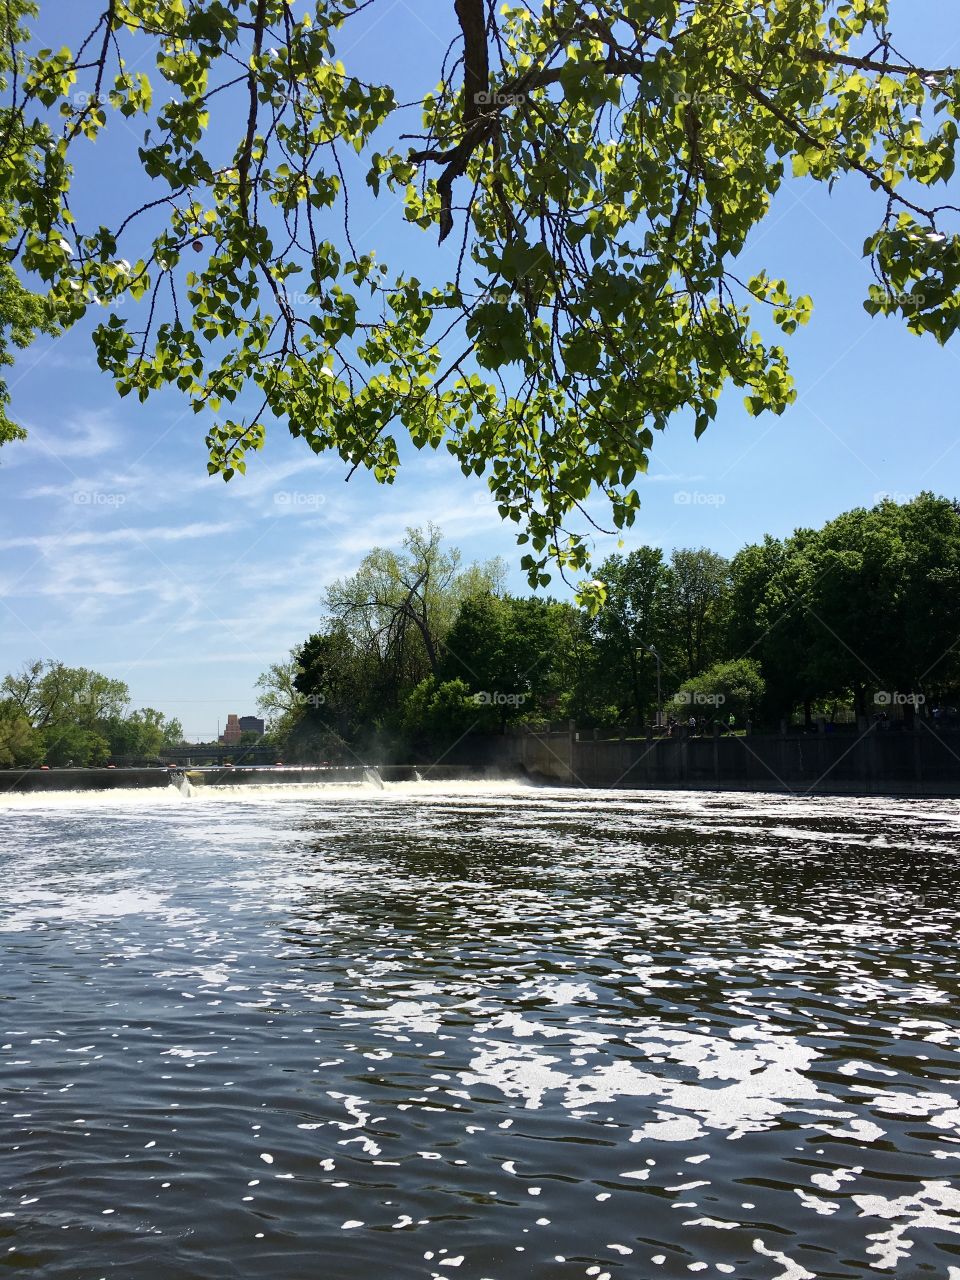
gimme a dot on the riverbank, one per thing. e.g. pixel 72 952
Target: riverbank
pixel 14 781
pixel 919 763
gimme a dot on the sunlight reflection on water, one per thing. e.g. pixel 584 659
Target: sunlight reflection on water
pixel 479 1031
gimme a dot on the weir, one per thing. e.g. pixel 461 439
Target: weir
pixel 183 784
pixel 189 782
pixel 82 779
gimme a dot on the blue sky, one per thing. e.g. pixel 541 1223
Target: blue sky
pixel 118 552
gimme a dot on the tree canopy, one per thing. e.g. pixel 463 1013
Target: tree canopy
pixel 58 715
pixel 857 616
pixel 597 167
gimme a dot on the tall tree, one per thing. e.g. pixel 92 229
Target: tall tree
pixel 20 744
pixel 278 698
pixel 700 598
pixel 145 732
pixel 769 622
pixel 514 654
pixel 883 598
pixel 339 684
pixel 630 630
pixel 401 605
pixel 51 694
pixel 601 167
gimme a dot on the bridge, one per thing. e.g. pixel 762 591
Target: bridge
pixel 188 756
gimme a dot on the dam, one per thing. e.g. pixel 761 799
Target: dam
pixel 110 779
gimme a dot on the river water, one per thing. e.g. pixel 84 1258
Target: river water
pixel 483 1031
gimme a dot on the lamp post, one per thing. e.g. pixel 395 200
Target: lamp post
pixel 650 649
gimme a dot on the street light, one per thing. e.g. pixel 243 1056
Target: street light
pixel 650 649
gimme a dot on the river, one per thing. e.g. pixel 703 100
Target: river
pixel 483 1031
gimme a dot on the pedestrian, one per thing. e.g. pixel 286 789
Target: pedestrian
pixel 731 722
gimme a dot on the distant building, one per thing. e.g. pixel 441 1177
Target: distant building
pixel 231 734
pixel 238 725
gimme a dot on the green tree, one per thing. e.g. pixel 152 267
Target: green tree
pixel 399 607
pixel 51 694
pixel 769 621
pixel 438 712
pixel 514 654
pixel 634 619
pixel 73 744
pixel 700 600
pixel 20 744
pixel 883 601
pixel 929 638
pixel 23 314
pixel 339 684
pixel 864 605
pixel 602 167
pixel 78 716
pixel 142 733
pixel 727 688
pixel 279 700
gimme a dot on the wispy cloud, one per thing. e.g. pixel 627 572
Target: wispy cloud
pixel 91 537
pixel 88 434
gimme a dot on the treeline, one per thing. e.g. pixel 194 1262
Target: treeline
pixel 58 715
pixel 416 649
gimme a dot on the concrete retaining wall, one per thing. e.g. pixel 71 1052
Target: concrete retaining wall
pixel 81 779
pixel 239 777
pixel 921 762
pixel 108 779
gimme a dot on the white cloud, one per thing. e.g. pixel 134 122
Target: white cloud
pixel 86 435
pixel 128 536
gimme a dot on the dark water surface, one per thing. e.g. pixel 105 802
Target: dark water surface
pixel 485 1032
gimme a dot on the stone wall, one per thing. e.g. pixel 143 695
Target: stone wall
pixel 922 761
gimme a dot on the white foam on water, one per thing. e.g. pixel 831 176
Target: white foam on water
pixel 936 1206
pixel 173 795
pixel 39 909
pixel 600 1031
pixel 791 1270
